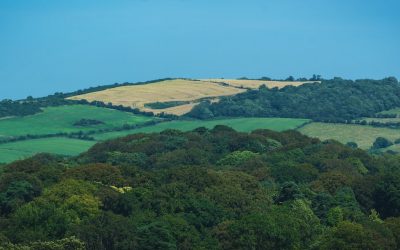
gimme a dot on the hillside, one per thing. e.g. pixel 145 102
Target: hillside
pixel 203 189
pixel 186 93
pixel 140 181
pixel 27 140
pixel 64 119
pixel 367 110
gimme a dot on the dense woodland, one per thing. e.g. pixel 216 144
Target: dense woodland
pixel 335 100
pixel 205 189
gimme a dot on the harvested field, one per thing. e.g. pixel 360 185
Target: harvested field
pixel 164 91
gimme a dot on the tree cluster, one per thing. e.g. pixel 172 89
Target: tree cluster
pixel 165 105
pixel 17 108
pixel 87 123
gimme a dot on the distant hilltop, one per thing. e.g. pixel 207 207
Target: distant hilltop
pixel 177 96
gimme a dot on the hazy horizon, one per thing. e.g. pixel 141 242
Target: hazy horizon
pixel 49 46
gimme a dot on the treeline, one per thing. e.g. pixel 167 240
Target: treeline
pixel 164 105
pixel 109 86
pixel 378 124
pixel 15 108
pixel 87 123
pixel 74 135
pixel 373 123
pixel 32 106
pixel 315 77
pixel 335 100
pixel 204 189
pixel 384 116
pixel 29 106
pixel 126 109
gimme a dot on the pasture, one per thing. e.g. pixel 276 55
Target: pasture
pixel 239 124
pixel 394 148
pixel 54 120
pixel 392 111
pixel 364 136
pixel 57 145
pixel 66 146
pixel 164 91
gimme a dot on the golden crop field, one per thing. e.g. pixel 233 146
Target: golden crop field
pixel 255 84
pixel 164 91
pixel 176 90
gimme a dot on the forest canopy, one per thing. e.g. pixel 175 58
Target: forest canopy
pixel 204 189
pixel 335 100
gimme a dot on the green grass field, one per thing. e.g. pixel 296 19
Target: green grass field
pixel 61 119
pixel 239 124
pixel 364 136
pixel 395 148
pixel 392 111
pixel 63 146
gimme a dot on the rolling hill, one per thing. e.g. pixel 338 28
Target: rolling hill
pixel 178 90
pixel 68 128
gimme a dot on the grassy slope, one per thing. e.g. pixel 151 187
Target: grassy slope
pixel 239 124
pixel 382 120
pixel 22 149
pixel 61 119
pixel 395 148
pixel 364 136
pixel 65 146
pixel 392 111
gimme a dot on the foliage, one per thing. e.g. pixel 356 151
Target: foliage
pixel 381 142
pixel 87 122
pixel 164 105
pixel 335 100
pixel 71 243
pixel 203 189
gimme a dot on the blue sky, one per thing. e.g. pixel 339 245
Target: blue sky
pixel 53 45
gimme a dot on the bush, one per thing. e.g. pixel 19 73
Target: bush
pixel 381 142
